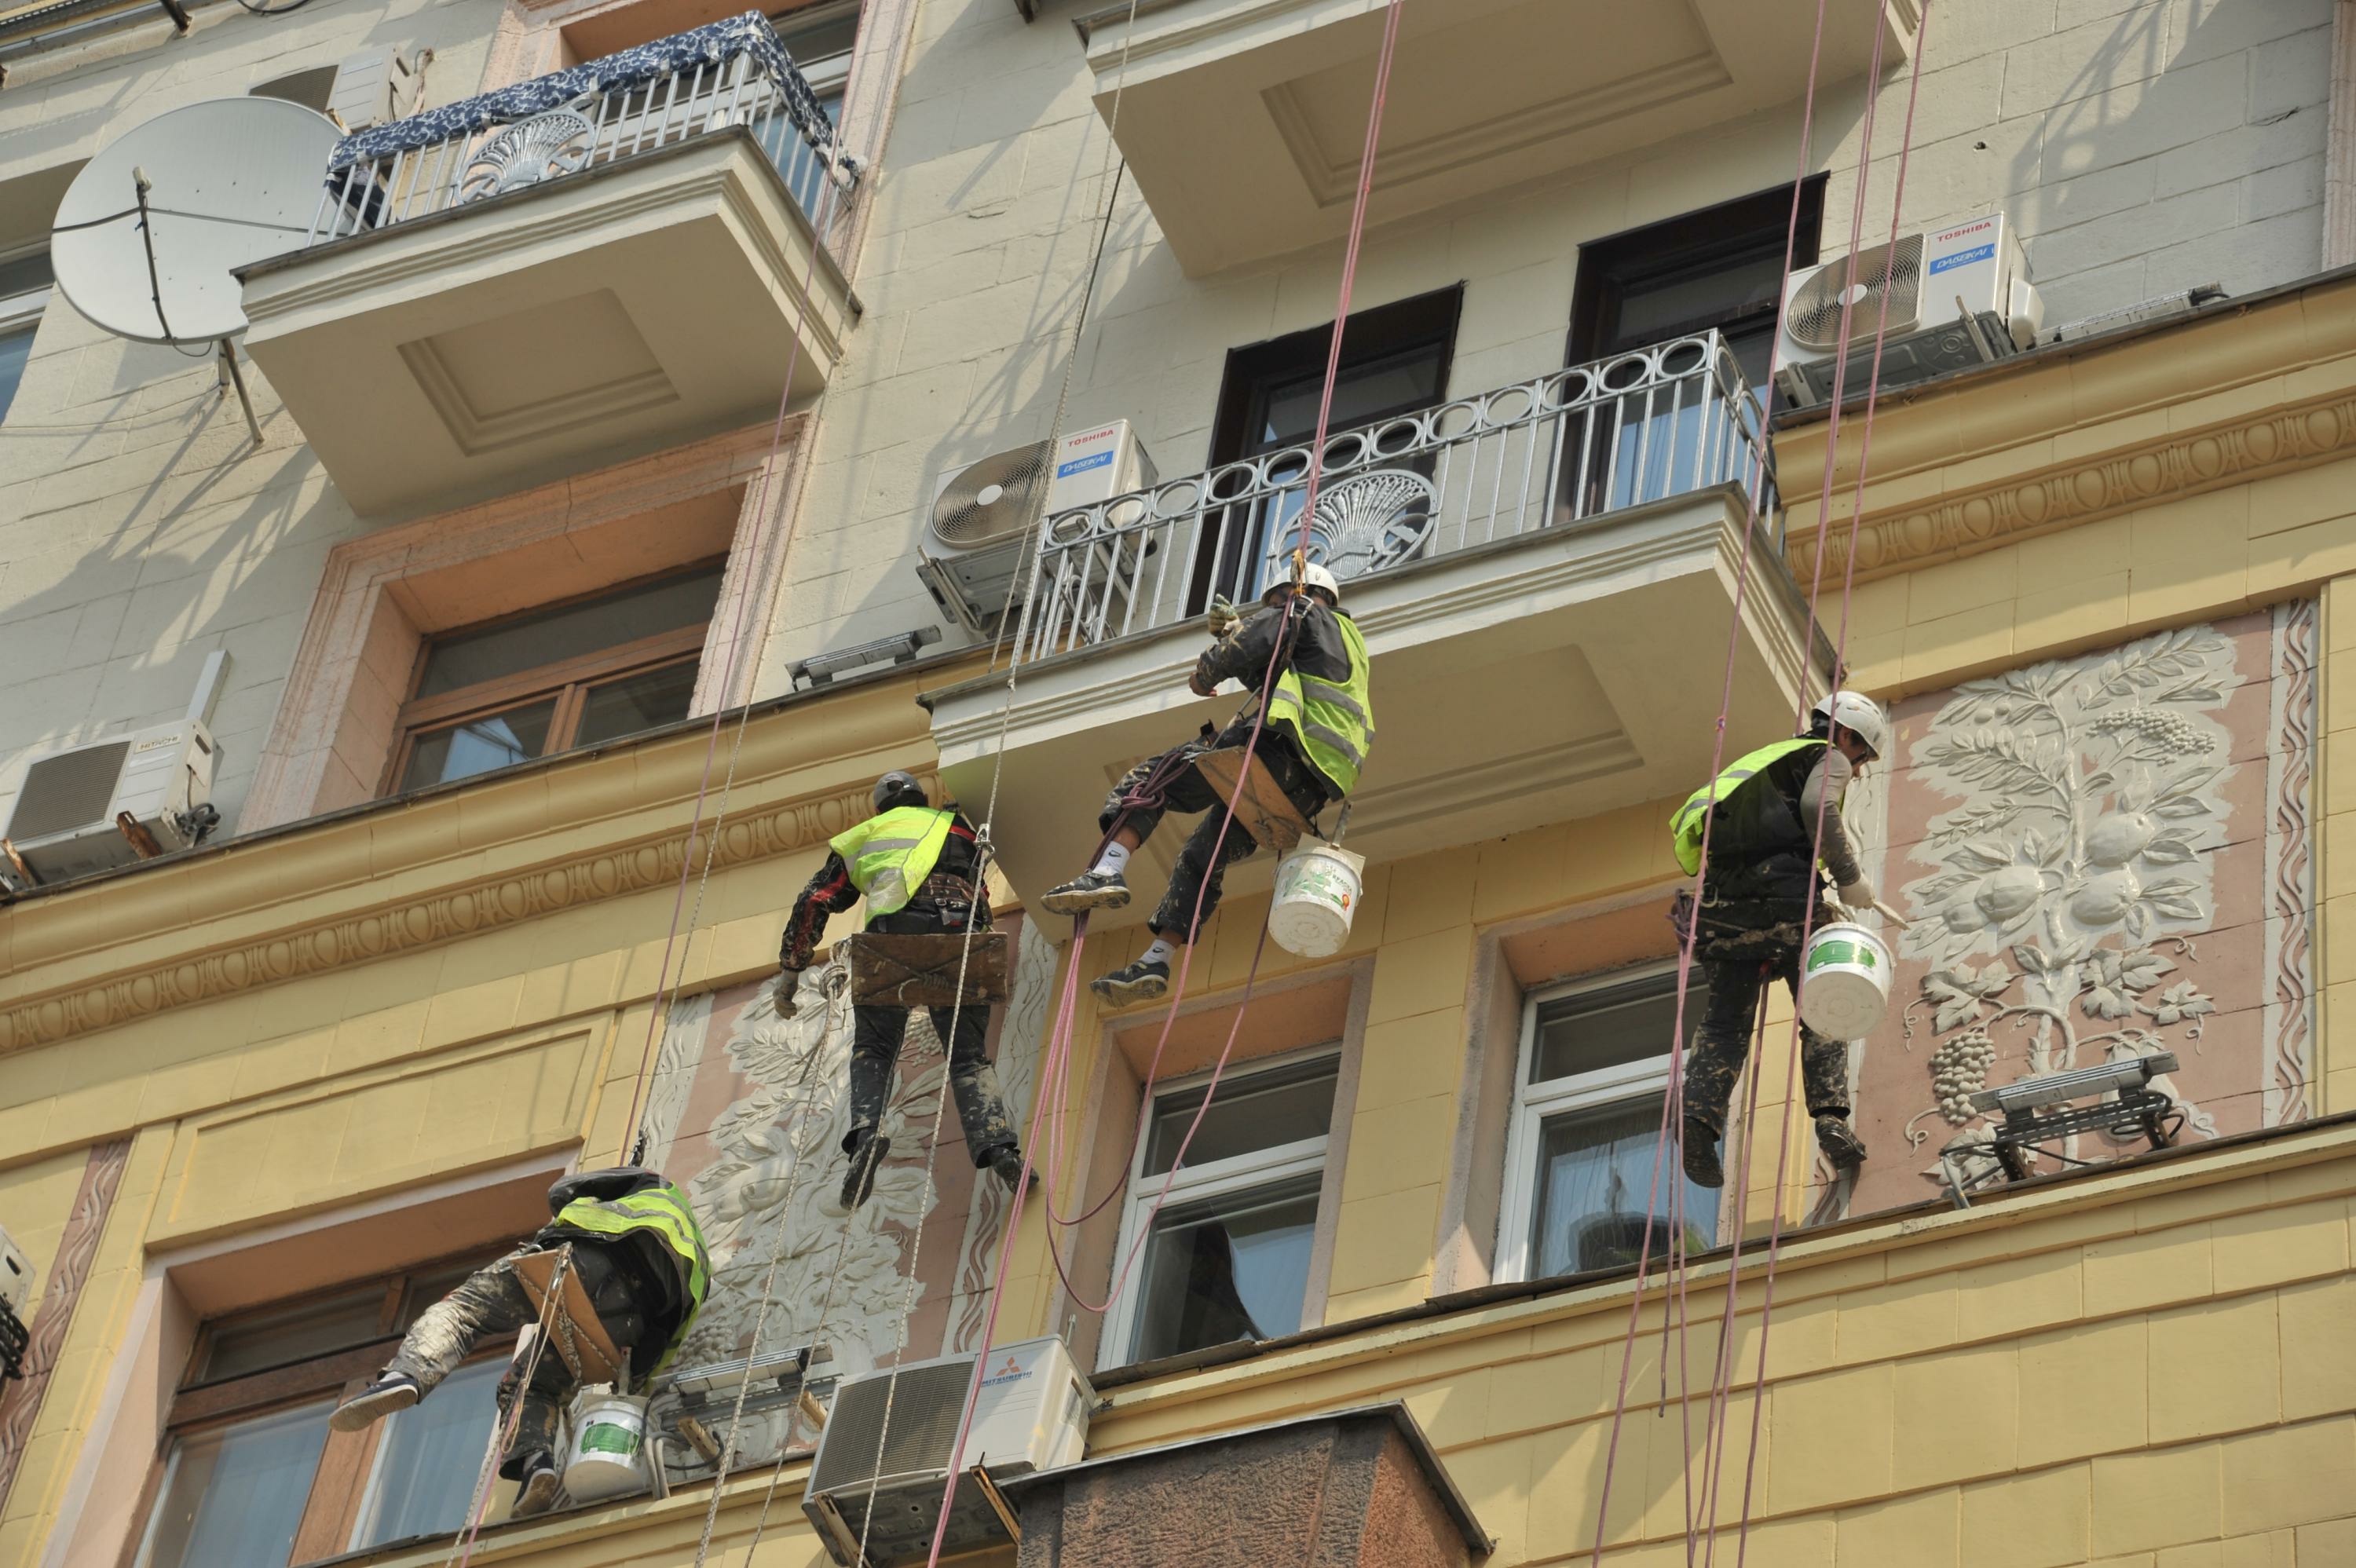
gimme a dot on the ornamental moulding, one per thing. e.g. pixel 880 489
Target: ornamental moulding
pixel 385 930
pixel 2182 463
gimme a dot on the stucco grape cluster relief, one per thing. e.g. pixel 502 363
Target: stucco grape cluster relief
pixel 2074 870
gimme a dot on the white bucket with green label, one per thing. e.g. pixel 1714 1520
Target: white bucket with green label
pixel 1317 891
pixel 1847 981
pixel 607 1457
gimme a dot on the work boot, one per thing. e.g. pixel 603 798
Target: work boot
pixel 393 1391
pixel 859 1181
pixel 1089 889
pixel 538 1493
pixel 1137 982
pixel 1007 1161
pixel 1698 1142
pixel 1841 1143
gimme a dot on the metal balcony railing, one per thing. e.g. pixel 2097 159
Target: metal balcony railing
pixel 1553 452
pixel 733 72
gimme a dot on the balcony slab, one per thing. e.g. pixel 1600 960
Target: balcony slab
pixel 594 317
pixel 1544 677
pixel 1242 120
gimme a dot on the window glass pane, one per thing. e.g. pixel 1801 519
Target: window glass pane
pixel 1234 1267
pixel 1255 1111
pixel 479 745
pixel 16 349
pixel 1605 1028
pixel 1594 1174
pixel 426 1461
pixel 1367 390
pixel 813 33
pixel 233 1497
pixel 472 657
pixel 637 702
pixel 1659 307
pixel 283 1336
pixel 23 273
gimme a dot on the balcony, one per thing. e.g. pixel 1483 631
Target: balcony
pixel 1242 120
pixel 1545 574
pixel 595 264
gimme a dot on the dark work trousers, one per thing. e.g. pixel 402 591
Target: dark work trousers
pixel 1722 1042
pixel 1199 872
pixel 491 1301
pixel 876 1035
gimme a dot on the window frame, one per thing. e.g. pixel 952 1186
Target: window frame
pixel 1534 1104
pixel 347 1461
pixel 1236 1173
pixel 569 681
pixel 20 313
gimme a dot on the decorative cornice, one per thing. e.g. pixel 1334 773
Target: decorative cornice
pixel 462 910
pixel 2180 463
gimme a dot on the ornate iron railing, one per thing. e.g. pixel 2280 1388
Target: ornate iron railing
pixel 733 72
pixel 1552 453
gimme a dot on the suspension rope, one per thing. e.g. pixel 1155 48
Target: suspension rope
pixel 1673 1100
pixel 462 1550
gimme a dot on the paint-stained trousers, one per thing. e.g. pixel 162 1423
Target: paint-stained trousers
pixel 878 1031
pixel 1722 1042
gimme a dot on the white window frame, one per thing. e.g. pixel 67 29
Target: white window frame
pixel 22 312
pixel 1239 1173
pixel 828 73
pixel 1534 1102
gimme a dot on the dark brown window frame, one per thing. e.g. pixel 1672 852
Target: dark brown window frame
pixel 569 681
pixel 201 1405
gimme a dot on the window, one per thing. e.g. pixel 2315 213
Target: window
pixel 1394 361
pixel 1227 1257
pixel 551 680
pixel 252 1478
pixel 25 280
pixel 819 37
pixel 1586 1128
pixel 1716 268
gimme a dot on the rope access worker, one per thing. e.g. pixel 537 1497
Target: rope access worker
pixel 1319 727
pixel 641 1262
pixel 917 865
pixel 1760 888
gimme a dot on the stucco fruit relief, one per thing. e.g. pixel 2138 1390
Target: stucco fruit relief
pixel 2101 857
pixel 747 1108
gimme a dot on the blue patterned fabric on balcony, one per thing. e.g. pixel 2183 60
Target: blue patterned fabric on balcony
pixel 714 45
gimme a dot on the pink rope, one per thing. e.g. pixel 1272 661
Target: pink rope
pixel 1840 657
pixel 1060 1051
pixel 1672 1102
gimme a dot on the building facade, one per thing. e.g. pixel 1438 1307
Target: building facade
pixel 624 502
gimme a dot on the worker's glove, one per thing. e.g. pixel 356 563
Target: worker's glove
pixel 1221 618
pixel 1857 897
pixel 789 983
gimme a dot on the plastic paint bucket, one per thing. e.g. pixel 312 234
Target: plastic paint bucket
pixel 1847 981
pixel 1317 891
pixel 608 1455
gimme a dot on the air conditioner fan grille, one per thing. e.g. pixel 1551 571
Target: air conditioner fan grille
pixel 1814 317
pixel 996 498
pixel 72 790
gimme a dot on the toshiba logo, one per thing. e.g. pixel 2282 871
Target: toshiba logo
pixel 1092 435
pixel 1945 235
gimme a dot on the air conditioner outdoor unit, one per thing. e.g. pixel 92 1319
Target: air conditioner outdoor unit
pixel 1031 1413
pixel 69 811
pixel 1957 296
pixel 977 541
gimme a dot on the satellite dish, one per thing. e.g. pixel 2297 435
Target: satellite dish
pixel 150 230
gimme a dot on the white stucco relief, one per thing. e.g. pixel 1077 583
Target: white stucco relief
pixel 2071 875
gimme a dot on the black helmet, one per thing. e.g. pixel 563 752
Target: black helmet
pixel 898 788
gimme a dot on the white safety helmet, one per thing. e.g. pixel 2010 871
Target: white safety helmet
pixel 1312 576
pixel 1859 714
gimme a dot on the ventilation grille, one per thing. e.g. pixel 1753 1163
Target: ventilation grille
pixel 1814 315
pixel 925 1411
pixel 994 500
pixel 72 790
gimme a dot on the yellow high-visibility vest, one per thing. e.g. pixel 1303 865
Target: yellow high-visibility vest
pixel 891 855
pixel 1686 827
pixel 1331 721
pixel 661 1211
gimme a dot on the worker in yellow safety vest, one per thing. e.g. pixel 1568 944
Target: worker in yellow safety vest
pixel 1761 812
pixel 641 1262
pixel 917 865
pixel 1319 730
